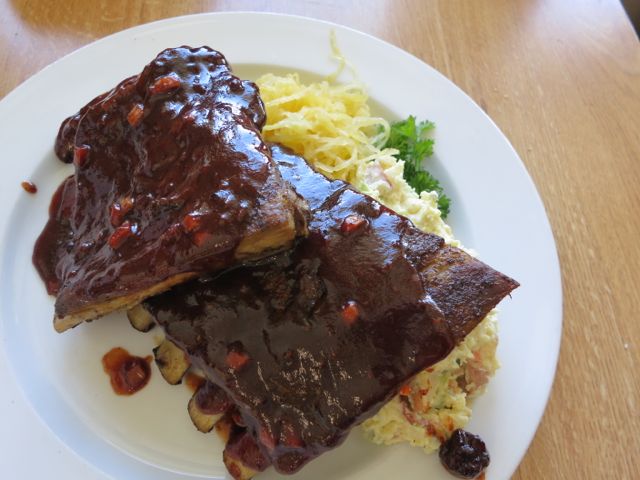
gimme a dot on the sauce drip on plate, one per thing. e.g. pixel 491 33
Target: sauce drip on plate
pixel 29 187
pixel 127 372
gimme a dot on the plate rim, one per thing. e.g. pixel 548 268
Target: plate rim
pixel 203 18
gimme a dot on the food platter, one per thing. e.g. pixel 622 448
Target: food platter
pixel 496 211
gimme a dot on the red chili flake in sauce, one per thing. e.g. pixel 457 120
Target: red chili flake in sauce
pixel 352 223
pixel 405 390
pixel 135 115
pixel 164 84
pixel 80 155
pixel 127 372
pixel 192 222
pixel 236 360
pixel 350 312
pixel 119 209
pixel 29 187
pixel 193 381
pixel 120 234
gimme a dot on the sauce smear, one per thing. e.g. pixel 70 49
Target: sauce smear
pixel 127 372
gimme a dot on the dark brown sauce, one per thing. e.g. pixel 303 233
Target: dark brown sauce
pixel 170 175
pixel 193 381
pixel 127 372
pixel 317 339
pixel 29 187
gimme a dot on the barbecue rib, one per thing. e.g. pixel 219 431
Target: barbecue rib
pixel 315 340
pixel 172 180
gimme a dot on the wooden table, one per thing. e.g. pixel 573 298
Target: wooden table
pixel 562 80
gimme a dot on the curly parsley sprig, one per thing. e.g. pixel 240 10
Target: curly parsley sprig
pixel 410 139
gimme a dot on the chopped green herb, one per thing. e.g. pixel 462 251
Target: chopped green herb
pixel 410 139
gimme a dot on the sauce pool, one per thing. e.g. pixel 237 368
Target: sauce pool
pixel 127 372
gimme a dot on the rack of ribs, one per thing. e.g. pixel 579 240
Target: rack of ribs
pixel 301 347
pixel 172 180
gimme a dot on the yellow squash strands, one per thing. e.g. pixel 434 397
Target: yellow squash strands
pixel 330 124
pixel 332 127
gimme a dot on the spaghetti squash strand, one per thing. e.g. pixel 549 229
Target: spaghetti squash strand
pixel 332 127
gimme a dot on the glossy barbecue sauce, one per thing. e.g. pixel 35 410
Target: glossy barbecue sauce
pixel 128 373
pixel 170 175
pixel 315 340
pixel 29 187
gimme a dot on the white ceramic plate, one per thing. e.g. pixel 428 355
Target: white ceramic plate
pixel 496 210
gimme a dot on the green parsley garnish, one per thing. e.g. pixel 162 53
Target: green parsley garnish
pixel 410 139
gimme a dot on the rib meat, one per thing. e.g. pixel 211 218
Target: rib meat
pixel 172 180
pixel 313 341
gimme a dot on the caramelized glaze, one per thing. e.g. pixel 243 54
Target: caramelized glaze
pixel 170 175
pixel 315 340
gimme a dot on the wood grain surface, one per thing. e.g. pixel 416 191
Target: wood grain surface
pixel 562 80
